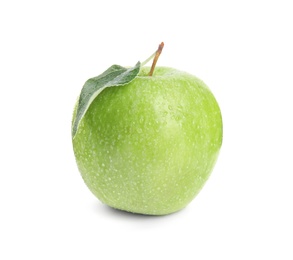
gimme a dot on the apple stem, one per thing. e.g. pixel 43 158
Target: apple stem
pixel 157 55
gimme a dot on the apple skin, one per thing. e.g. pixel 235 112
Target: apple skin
pixel 149 146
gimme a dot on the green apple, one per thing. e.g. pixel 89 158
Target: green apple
pixel 149 146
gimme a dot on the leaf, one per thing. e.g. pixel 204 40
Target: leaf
pixel 114 76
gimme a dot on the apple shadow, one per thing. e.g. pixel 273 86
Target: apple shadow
pixel 117 213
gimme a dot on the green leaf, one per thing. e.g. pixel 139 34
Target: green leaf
pixel 112 77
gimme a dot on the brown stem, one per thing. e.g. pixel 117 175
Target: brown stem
pixel 158 53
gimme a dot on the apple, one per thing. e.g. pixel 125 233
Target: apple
pixel 149 146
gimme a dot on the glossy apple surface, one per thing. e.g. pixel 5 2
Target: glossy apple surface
pixel 149 146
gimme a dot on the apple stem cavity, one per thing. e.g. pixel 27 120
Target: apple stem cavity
pixel 157 55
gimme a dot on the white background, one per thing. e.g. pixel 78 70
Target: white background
pixel 242 49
